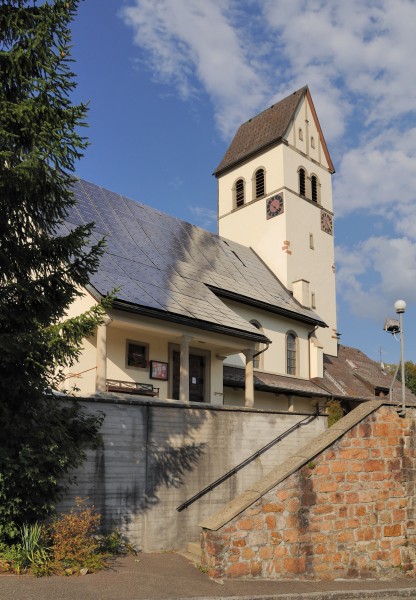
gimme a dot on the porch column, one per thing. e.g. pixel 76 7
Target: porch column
pixel 101 373
pixel 184 369
pixel 249 390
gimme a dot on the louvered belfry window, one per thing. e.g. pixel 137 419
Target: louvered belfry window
pixel 259 183
pixel 314 186
pixel 302 182
pixel 239 193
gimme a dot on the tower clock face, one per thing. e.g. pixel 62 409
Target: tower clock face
pixel 274 206
pixel 326 223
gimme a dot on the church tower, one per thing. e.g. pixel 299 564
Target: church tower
pixel 275 195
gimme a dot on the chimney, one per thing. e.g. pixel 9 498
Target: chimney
pixel 301 292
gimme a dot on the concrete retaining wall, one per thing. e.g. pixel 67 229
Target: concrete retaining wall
pixel 154 455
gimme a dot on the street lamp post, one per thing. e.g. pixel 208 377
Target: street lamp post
pixel 400 307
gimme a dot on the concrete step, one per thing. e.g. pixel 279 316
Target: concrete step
pixel 194 548
pixel 192 552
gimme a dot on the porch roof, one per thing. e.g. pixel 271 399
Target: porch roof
pixel 270 382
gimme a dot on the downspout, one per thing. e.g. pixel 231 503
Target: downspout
pixel 261 351
pixel 310 334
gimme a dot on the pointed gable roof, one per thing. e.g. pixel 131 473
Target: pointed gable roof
pixel 267 129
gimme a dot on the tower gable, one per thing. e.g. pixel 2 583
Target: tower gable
pixel 268 129
pixel 304 133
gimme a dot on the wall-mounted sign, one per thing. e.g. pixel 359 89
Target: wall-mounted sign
pixel 158 370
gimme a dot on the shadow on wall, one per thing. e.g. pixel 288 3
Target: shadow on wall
pixel 142 449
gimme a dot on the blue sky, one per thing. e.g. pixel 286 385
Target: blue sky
pixel 169 81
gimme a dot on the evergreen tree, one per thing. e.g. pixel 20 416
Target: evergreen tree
pixel 42 266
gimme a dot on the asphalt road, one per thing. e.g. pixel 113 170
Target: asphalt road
pixel 170 576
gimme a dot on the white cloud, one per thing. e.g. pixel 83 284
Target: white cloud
pixel 192 45
pixel 379 177
pixel 377 272
pixel 205 217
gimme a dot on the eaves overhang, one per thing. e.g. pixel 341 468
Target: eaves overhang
pixel 262 387
pixel 248 156
pixel 154 313
pixel 284 312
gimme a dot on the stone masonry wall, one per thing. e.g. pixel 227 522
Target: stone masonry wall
pixel 348 512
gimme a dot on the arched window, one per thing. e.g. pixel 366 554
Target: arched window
pixel 291 353
pixel 314 188
pixel 300 134
pixel 302 182
pixel 260 187
pixel 239 192
pixel 312 142
pixel 258 360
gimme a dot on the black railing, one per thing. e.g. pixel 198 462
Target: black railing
pixel 247 461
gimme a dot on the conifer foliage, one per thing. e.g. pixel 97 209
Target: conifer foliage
pixel 42 266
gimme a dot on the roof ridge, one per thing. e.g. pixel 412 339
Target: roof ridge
pixel 302 89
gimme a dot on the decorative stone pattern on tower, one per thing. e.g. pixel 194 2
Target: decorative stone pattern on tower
pixel 287 143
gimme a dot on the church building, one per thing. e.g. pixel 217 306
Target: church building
pixel 243 318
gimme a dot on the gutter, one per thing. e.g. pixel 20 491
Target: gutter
pixel 187 321
pixel 267 307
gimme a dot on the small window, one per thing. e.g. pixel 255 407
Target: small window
pixel 239 193
pixel 313 300
pixel 311 245
pixel 300 134
pixel 302 182
pixel 291 353
pixel 312 142
pixel 259 183
pixel 314 188
pixel 137 355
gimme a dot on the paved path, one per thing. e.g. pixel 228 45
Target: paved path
pixel 170 576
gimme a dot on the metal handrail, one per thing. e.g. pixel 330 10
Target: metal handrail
pixel 245 462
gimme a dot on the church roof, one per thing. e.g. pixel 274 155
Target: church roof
pixel 266 130
pixel 173 270
pixel 261 131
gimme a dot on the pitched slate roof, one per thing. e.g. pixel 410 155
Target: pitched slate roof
pixel 261 131
pixel 171 269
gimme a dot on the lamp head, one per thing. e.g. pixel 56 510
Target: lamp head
pixel 400 306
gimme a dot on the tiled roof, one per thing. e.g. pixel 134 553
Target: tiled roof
pixel 261 131
pixel 171 268
pixel 269 382
pixel 354 375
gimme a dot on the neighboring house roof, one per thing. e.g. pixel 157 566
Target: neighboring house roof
pixel 351 376
pixel 173 270
pixel 267 129
pixel 269 382
pixel 354 375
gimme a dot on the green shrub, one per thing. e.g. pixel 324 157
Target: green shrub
pixel 12 558
pixel 116 543
pixel 334 411
pixel 67 547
